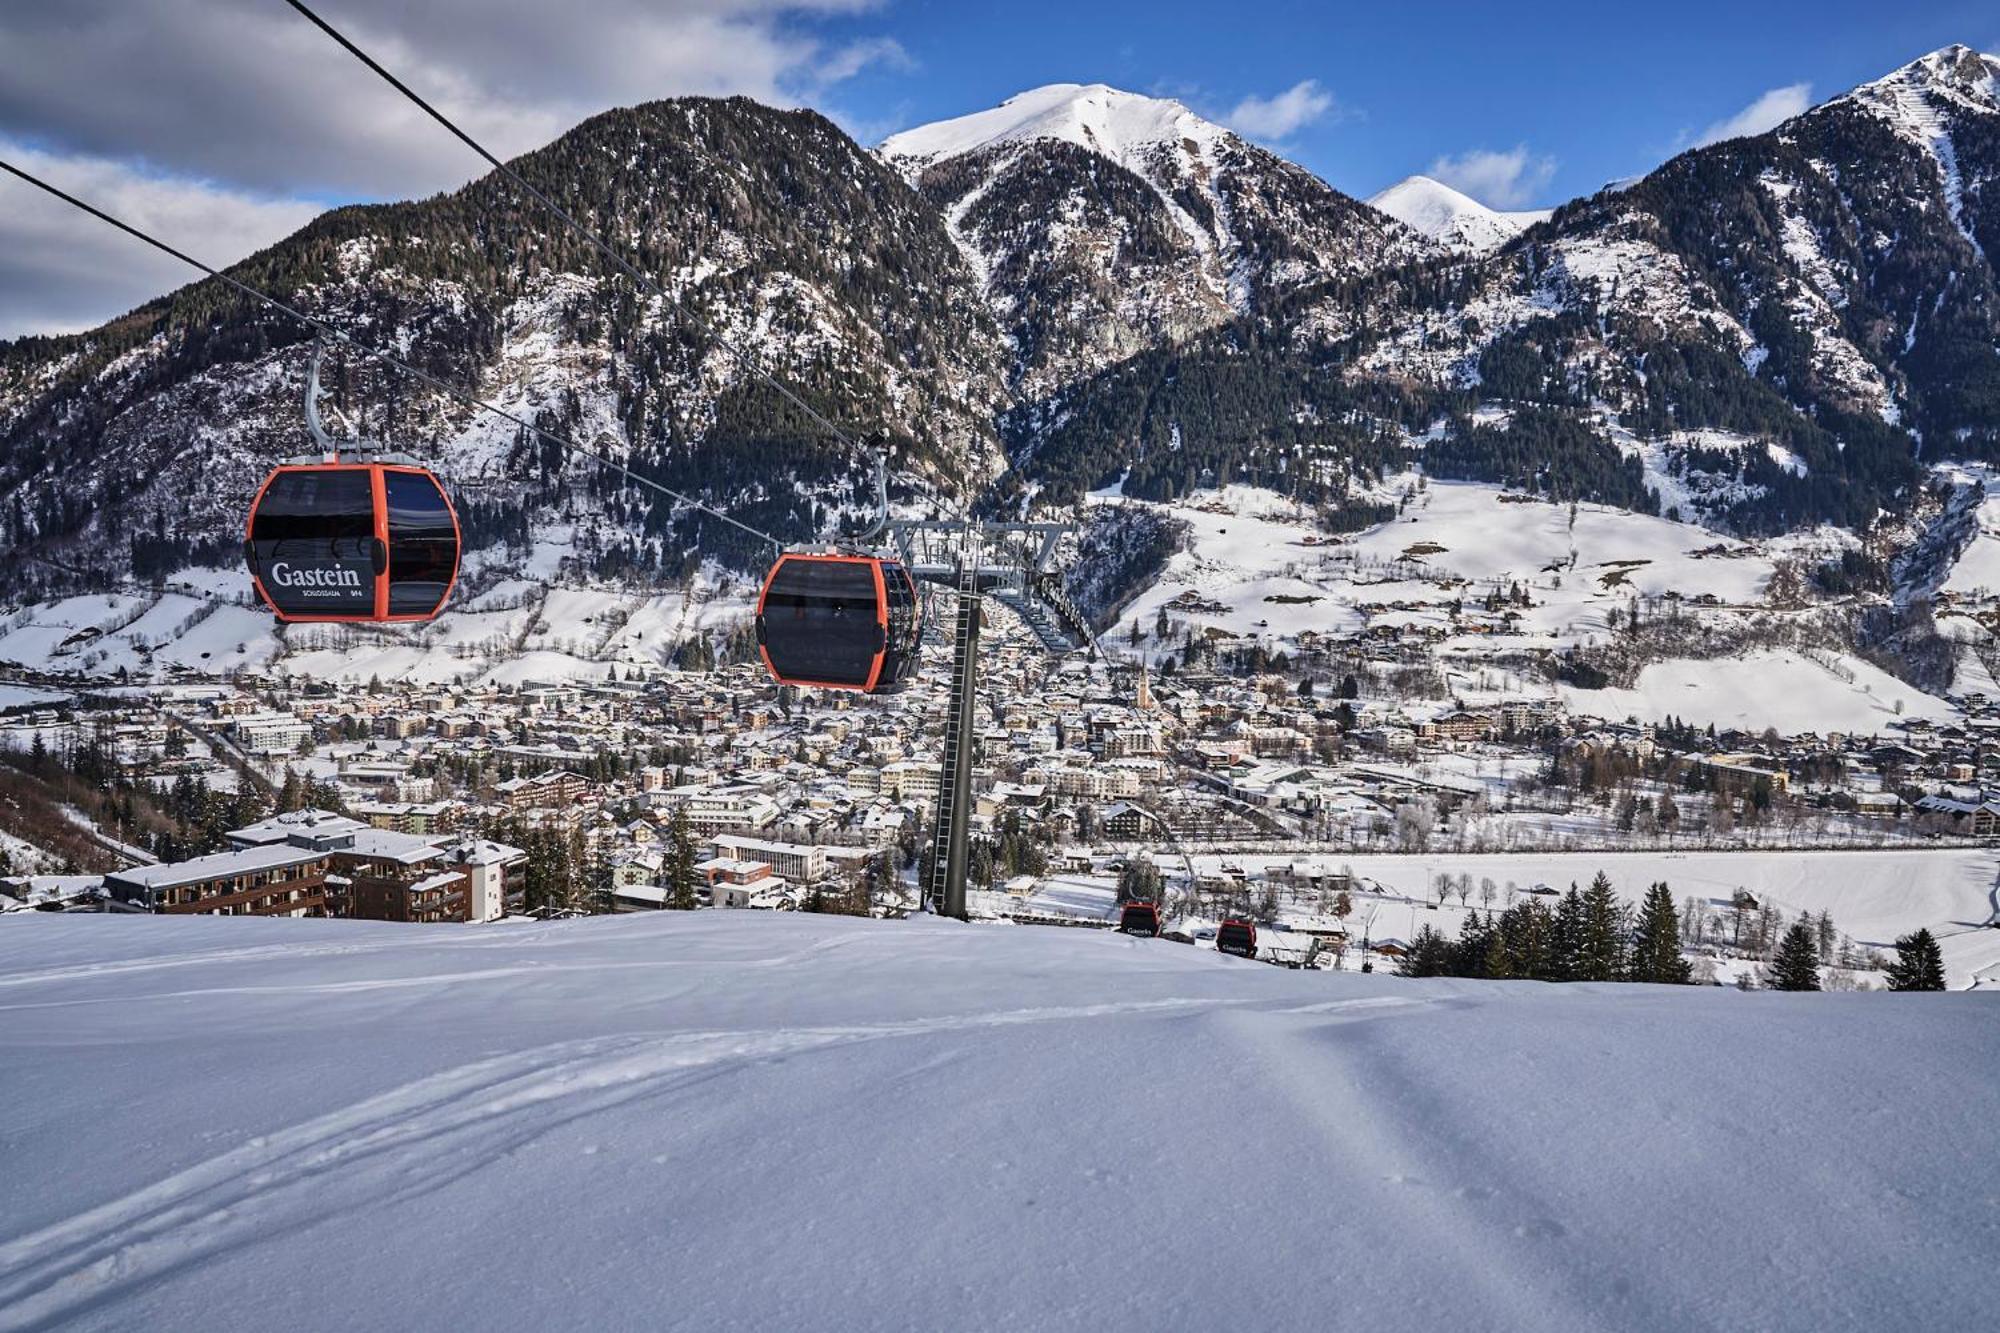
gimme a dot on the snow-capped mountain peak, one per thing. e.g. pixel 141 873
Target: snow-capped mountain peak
pixel 1956 75
pixel 1457 220
pixel 1103 222
pixel 1930 100
pixel 1119 125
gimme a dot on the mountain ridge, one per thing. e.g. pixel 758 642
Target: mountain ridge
pixel 1077 286
pixel 1451 217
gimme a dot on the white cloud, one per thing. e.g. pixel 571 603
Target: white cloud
pixel 62 272
pixel 248 92
pixel 1770 110
pixel 1499 180
pixel 1280 116
pixel 844 63
pixel 233 110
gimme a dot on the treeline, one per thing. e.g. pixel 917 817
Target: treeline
pixel 1014 848
pixel 1588 935
pixel 832 245
pixel 1547 451
pixel 170 819
pixel 1238 405
pixel 560 879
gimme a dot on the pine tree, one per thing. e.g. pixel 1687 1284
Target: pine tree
pixel 291 793
pixel 680 863
pixel 1919 963
pixel 1656 944
pixel 1566 937
pixel 1601 955
pixel 1796 966
pixel 1429 955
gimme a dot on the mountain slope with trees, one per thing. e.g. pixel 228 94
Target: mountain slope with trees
pixel 1077 288
pixel 140 442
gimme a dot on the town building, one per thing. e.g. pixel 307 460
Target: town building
pixel 316 863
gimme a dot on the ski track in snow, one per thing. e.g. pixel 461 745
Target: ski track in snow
pixel 385 942
pixel 1348 1124
pixel 425 1134
pixel 700 1120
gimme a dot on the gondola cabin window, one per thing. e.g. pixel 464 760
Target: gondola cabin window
pixel 423 544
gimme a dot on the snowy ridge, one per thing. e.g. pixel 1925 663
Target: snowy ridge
pixel 1125 127
pixel 1434 209
pixel 1085 266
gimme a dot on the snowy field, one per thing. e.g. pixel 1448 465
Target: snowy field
pixel 514 633
pixel 1248 544
pixel 1254 566
pixel 21 696
pixel 1872 896
pixel 737 1120
pixel 1773 688
pixel 1976 571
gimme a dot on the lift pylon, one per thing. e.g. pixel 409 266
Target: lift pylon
pixel 1010 563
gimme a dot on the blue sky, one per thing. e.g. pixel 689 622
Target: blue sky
pixel 1596 91
pixel 224 125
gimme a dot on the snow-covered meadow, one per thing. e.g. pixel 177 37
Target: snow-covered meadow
pixel 1254 566
pixel 749 1120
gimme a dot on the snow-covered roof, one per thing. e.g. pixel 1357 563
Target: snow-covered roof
pixel 481 852
pixel 278 828
pixel 642 893
pixel 216 866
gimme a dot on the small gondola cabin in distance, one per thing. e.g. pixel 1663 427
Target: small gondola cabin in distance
pixel 839 622
pixel 352 542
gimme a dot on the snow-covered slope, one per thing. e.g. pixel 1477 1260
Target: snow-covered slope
pixel 1779 688
pixel 783 247
pixel 771 1121
pixel 1125 127
pixel 1922 100
pixel 1456 220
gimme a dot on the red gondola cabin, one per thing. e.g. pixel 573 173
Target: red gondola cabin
pixel 1139 918
pixel 1237 936
pixel 348 542
pixel 839 622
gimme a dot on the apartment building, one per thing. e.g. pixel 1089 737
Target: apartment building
pixel 277 880
pixel 315 863
pixel 727 809
pixel 269 733
pixel 542 791
pixel 912 779
pixel 801 863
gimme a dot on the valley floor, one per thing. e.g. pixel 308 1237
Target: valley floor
pixel 718 1120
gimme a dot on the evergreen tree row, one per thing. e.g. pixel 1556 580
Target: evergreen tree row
pixel 1588 935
